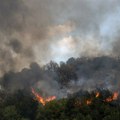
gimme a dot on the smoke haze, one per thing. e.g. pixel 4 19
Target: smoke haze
pixel 66 78
pixel 43 30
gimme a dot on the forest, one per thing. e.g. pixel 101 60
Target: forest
pixel 59 60
pixel 22 94
pixel 82 105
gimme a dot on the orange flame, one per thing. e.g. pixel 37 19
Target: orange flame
pixel 109 99
pixel 113 97
pixel 89 102
pixel 97 95
pixel 41 99
pixel 50 98
pixel 38 97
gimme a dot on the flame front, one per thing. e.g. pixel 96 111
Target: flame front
pixel 97 95
pixel 113 97
pixel 38 97
pixel 41 99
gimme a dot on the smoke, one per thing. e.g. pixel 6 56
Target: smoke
pixel 43 30
pixel 21 80
pixel 36 77
pixel 67 78
pixel 11 15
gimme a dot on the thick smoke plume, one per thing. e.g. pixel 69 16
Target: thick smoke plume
pixel 66 78
pixel 43 30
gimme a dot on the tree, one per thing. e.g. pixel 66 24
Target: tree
pixel 10 113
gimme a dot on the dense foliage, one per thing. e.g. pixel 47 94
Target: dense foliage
pixel 23 106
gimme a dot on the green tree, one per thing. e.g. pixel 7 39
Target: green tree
pixel 10 113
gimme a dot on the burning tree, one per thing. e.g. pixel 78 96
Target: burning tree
pixel 42 100
pixel 96 105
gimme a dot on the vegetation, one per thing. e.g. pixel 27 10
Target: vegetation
pixel 100 72
pixel 23 106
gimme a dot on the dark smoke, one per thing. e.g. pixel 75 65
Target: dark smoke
pixel 42 30
pixel 72 76
pixel 22 80
pixel 15 45
pixel 12 21
pixel 11 15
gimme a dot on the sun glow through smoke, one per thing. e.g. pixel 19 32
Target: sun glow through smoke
pixel 63 49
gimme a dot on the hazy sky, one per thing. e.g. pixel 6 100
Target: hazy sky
pixel 44 30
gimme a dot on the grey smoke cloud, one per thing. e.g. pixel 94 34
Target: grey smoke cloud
pixel 15 45
pixel 41 30
pixel 11 15
pixel 70 77
pixel 92 27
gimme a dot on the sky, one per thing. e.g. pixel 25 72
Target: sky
pixel 44 30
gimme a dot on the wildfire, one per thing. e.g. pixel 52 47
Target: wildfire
pixel 109 99
pixel 50 98
pixel 97 95
pixel 113 97
pixel 89 102
pixel 41 99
